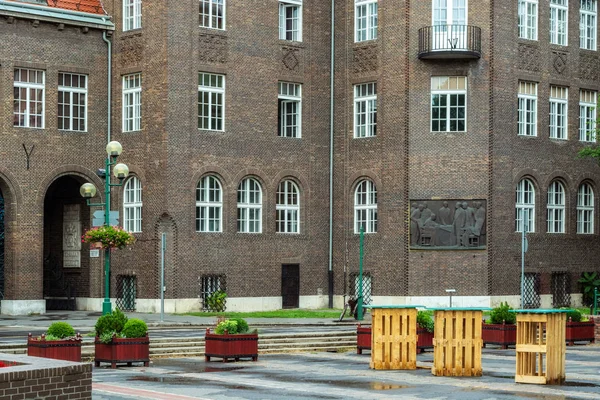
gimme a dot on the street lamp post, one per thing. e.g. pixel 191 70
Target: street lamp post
pixel 88 191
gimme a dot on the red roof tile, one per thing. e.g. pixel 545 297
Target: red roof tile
pixel 89 6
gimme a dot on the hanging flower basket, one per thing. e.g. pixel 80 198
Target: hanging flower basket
pixel 108 237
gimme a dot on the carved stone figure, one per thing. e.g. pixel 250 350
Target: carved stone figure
pixel 414 225
pixel 431 222
pixel 460 218
pixel 425 214
pixel 470 221
pixel 445 214
pixel 479 219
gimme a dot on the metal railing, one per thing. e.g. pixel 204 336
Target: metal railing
pixel 450 38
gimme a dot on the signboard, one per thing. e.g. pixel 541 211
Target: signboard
pixel 94 253
pixel 113 218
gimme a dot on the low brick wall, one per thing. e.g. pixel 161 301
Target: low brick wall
pixel 44 379
pixel 597 328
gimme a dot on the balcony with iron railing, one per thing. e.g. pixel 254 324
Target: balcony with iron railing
pixel 450 42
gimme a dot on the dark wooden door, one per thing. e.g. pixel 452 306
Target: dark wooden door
pixel 290 285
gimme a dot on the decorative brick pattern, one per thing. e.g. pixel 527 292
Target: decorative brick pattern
pixel 588 67
pixel 529 57
pixel 364 59
pixel 213 48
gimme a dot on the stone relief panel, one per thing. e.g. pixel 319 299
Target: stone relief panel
pixel 448 224
pixel 588 67
pixel 71 236
pixel 529 57
pixel 213 49
pixel 559 61
pixel 290 58
pixel 364 59
pixel 131 50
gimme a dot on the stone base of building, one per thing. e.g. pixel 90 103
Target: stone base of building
pixel 22 307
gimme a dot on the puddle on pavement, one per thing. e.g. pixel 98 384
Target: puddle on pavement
pixel 526 395
pixel 580 384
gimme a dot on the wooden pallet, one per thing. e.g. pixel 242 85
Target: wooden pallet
pixel 394 338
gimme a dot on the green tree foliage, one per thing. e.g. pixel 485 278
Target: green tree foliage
pixel 589 281
pixel 502 314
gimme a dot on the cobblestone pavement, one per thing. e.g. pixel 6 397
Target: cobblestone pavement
pixel 339 376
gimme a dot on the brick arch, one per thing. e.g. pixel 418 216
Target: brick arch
pixel 84 174
pixel 12 201
pixel 219 172
pixel 302 184
pixel 165 223
pixel 562 177
pixel 357 177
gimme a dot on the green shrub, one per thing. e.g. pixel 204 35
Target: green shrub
pixel 135 328
pixel 107 337
pixel 52 337
pixel 242 325
pixel 502 314
pixel 228 325
pixel 575 315
pixel 425 320
pixel 113 322
pixel 60 330
pixel 216 301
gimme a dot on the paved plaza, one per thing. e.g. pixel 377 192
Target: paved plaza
pixel 339 376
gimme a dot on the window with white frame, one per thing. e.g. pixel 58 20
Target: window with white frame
pixel 527 115
pixel 209 205
pixel 587 115
pixel 249 206
pixel 558 112
pixel 132 14
pixel 556 208
pixel 290 20
pixel 525 206
pixel 132 205
pixel 588 14
pixel 212 14
pixel 448 104
pixel 365 20
pixel 528 19
pixel 365 207
pixel 132 102
pixel 449 24
pixel 211 101
pixel 290 110
pixel 559 14
pixel 28 103
pixel 365 110
pixel 72 102
pixel 288 207
pixel 585 209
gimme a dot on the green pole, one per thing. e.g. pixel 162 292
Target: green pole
pixel 359 310
pixel 595 311
pixel 106 306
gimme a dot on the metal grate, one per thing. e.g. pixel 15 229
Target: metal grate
pixel 561 289
pixel 213 293
pixel 531 291
pixel 367 286
pixel 126 292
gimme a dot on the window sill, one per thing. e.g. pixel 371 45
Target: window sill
pixel 527 136
pixel 29 127
pixel 447 132
pixel 128 132
pixel 364 137
pixel 70 131
pixel 213 31
pixel 370 42
pixel 594 51
pixel 292 43
pixel 131 33
pixel 211 131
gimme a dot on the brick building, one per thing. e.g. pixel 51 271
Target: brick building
pixel 224 110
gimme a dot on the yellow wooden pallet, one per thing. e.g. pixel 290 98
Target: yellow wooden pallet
pixel 394 338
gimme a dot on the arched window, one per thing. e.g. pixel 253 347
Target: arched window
pixel 556 208
pixel 249 197
pixel 209 205
pixel 365 207
pixel 525 206
pixel 288 207
pixel 132 205
pixel 585 209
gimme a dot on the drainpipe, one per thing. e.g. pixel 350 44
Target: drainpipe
pixel 109 86
pixel 332 71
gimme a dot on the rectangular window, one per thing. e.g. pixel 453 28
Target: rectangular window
pixel 132 102
pixel 558 112
pixel 365 20
pixel 290 109
pixel 28 103
pixel 212 14
pixel 290 20
pixel 527 115
pixel 212 288
pixel 528 16
pixel 559 14
pixel 72 102
pixel 588 12
pixel 448 104
pixel 365 110
pixel 587 115
pixel 132 14
pixel 211 101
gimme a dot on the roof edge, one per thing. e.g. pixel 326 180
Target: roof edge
pixel 52 14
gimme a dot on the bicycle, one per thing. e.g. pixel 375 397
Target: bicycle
pixel 350 305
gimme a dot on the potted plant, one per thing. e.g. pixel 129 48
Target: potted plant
pixel 59 342
pixel 501 329
pixel 108 237
pixel 578 329
pixel 231 340
pixel 120 340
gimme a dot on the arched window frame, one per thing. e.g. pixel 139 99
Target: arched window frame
pixel 525 205
pixel 365 207
pixel 585 209
pixel 556 208
pixel 132 205
pixel 288 207
pixel 249 206
pixel 209 205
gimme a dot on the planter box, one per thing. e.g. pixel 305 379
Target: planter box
pixel 231 346
pixel 580 332
pixel 67 349
pixel 363 339
pixel 503 335
pixel 123 351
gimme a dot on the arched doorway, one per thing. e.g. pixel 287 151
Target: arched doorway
pixel 66 267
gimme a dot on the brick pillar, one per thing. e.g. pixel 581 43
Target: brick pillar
pixel 597 328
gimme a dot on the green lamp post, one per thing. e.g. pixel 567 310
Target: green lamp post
pixel 88 191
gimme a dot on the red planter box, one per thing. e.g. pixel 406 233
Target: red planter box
pixel 67 349
pixel 231 346
pixel 580 332
pixel 424 340
pixel 123 351
pixel 363 339
pixel 503 335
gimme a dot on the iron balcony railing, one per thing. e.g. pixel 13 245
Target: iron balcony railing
pixel 450 41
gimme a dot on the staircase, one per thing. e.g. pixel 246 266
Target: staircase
pixel 194 346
